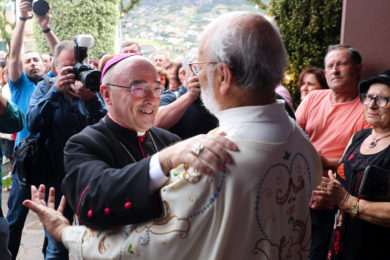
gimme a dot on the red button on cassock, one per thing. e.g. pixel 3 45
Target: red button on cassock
pixel 90 213
pixel 128 205
pixel 107 211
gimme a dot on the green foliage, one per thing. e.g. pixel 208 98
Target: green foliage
pixel 125 8
pixel 307 28
pixel 70 18
pixel 4 23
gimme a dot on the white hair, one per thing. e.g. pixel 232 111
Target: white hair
pixel 189 57
pixel 252 48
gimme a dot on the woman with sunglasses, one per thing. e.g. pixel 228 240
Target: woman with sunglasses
pixel 362 223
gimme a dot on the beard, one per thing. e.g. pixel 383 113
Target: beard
pixel 207 95
pixel 34 77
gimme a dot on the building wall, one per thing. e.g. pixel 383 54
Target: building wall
pixel 366 27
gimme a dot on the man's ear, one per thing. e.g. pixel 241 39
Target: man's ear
pixel 359 69
pixel 106 94
pixel 226 78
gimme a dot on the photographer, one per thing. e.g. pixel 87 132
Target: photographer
pixel 25 71
pixel 62 110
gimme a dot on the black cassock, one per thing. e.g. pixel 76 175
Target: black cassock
pixel 103 184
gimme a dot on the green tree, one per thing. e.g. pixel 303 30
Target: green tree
pixel 307 28
pixel 125 8
pixel 5 24
pixel 69 18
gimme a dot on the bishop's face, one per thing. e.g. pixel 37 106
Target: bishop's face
pixel 134 110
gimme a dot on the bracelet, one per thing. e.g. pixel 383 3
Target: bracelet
pixel 48 29
pixel 355 209
pixel 25 18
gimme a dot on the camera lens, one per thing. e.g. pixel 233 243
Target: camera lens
pixel 91 79
pixel 40 7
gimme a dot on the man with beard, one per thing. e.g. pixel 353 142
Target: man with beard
pixel 256 208
pixel 182 111
pixel 111 173
pixel 25 71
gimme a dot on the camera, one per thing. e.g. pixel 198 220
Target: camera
pixel 40 7
pixel 83 71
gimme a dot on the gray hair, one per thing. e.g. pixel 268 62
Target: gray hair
pixel 252 48
pixel 354 55
pixel 189 57
pixel 61 46
pixel 128 43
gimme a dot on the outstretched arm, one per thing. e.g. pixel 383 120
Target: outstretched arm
pixel 15 63
pixel 51 38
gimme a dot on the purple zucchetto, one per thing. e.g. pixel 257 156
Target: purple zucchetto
pixel 114 60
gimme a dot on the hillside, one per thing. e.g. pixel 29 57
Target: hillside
pixel 172 27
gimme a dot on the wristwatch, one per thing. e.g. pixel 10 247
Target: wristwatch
pixel 48 29
pixel 355 209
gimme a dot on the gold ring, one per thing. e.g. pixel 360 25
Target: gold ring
pixel 323 188
pixel 197 148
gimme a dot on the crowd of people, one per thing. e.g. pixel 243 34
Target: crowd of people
pixel 202 158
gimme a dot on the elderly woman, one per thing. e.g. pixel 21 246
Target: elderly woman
pixel 311 79
pixel 362 227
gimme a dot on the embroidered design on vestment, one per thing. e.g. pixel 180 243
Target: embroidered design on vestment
pixel 281 188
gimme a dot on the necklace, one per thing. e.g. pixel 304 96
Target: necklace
pixel 375 141
pixel 128 152
pixel 124 147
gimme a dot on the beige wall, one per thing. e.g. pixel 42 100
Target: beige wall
pixel 366 27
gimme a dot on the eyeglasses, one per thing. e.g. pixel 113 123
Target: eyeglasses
pixel 140 90
pixel 379 100
pixel 195 68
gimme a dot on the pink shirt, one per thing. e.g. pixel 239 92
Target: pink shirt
pixel 330 126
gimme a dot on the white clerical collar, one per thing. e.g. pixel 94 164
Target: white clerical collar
pixel 138 133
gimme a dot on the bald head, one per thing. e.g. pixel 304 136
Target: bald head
pixel 250 45
pixel 127 68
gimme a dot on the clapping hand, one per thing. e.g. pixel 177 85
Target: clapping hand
pixel 332 190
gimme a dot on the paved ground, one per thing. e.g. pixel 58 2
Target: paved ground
pixel 32 237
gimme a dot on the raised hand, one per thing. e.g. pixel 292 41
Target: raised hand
pixel 52 219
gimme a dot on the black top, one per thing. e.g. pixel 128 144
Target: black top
pixel 103 184
pixel 354 238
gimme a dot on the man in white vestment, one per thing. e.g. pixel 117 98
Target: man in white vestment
pixel 257 208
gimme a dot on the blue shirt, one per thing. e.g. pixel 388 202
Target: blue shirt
pixel 52 111
pixel 21 91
